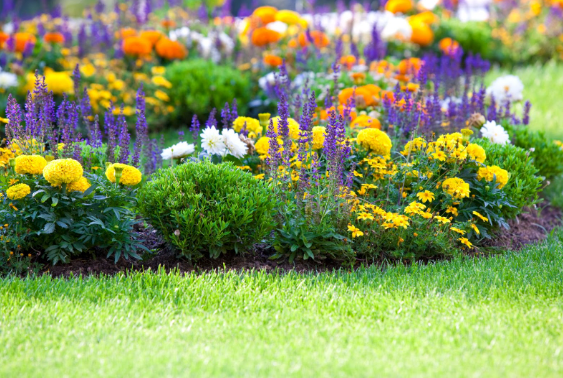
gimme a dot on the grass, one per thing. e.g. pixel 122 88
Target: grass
pixel 496 317
pixel 542 86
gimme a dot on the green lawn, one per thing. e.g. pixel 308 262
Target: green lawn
pixel 543 86
pixel 497 317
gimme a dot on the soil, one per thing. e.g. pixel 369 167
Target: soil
pixel 531 226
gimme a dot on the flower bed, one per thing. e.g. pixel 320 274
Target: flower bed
pixel 353 151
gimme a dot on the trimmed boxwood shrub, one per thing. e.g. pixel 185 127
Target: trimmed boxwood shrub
pixel 202 207
pixel 547 156
pixel 524 184
pixel 200 85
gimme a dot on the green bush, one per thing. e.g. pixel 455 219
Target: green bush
pixel 547 156
pixel 67 224
pixel 200 85
pixel 201 206
pixel 474 37
pixel 524 184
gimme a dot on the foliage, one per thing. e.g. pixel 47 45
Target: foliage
pixel 201 85
pixel 472 36
pixel 67 223
pixel 547 155
pixel 524 185
pixel 201 206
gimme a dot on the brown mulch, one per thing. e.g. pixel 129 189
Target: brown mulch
pixel 530 227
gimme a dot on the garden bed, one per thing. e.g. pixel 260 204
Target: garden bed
pixel 531 227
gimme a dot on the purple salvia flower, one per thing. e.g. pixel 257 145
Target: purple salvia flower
pixel 526 116
pixel 225 116
pixel 211 121
pixel 181 135
pixel 195 128
pixel 125 139
pixel 141 129
pixel 234 110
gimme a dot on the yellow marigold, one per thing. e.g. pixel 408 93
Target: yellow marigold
pixel 375 140
pixel 288 17
pixel 130 176
pixel 476 152
pixel 81 185
pixel 319 133
pixel 416 144
pixel 252 125
pixel 399 6
pixel 5 156
pixel 293 127
pixel 489 173
pixel 30 164
pixel 63 171
pixel 59 82
pixel 262 146
pixel 18 191
pixel 456 187
pixel 161 81
pixel 162 96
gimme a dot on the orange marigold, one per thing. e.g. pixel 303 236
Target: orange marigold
pixel 169 49
pixel 364 96
pixel 136 46
pixel 273 60
pixel 318 38
pixel 262 36
pixel 448 46
pixel 265 14
pixel 3 38
pixel 348 61
pixel 151 35
pixel 126 33
pixel 409 66
pixel 54 38
pixel 365 121
pixel 422 34
pixel 22 39
pixel 167 23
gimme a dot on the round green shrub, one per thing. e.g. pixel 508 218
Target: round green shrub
pixel 547 156
pixel 202 206
pixel 200 85
pixel 524 184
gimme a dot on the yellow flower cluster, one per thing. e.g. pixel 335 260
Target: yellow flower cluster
pixel 30 164
pixel 375 140
pixel 293 127
pixel 319 133
pixel 5 156
pixel 456 187
pixel 252 125
pixel 417 144
pixel 18 191
pixel 130 176
pixel 262 146
pixel 448 145
pixel 476 152
pixel 81 185
pixel 489 174
pixel 63 171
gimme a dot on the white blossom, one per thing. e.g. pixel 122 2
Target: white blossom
pixel 506 88
pixel 495 133
pixel 212 141
pixel 233 145
pixel 177 151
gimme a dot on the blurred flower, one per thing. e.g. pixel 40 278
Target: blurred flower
pixel 168 49
pixel 137 46
pixel 212 141
pixel 178 150
pixel 506 88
